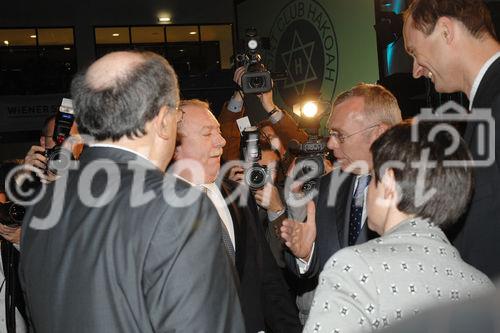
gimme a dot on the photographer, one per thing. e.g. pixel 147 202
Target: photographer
pixel 12 307
pixel 285 126
pixel 36 155
pixel 269 197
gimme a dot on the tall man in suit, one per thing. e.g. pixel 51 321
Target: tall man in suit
pixel 265 301
pixel 108 248
pixel 453 43
pixel 359 116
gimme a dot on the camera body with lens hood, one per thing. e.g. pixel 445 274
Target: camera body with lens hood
pixel 58 157
pixel 257 79
pixel 256 176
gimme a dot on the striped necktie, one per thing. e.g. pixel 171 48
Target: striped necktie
pixel 357 203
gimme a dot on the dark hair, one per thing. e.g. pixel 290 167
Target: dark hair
pixel 453 185
pixel 473 14
pixel 129 102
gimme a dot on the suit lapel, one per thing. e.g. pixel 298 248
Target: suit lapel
pixel 487 90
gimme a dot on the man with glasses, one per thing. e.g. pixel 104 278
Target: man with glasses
pixel 359 116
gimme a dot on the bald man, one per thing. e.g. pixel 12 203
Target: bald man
pixel 107 249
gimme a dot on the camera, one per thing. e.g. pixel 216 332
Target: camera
pixel 59 158
pixel 257 79
pixel 256 176
pixel 309 161
pixel 11 214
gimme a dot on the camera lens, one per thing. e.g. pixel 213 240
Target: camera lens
pixel 256 82
pixel 256 177
pixel 58 159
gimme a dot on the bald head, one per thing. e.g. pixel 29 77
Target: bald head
pixel 121 92
pixel 112 68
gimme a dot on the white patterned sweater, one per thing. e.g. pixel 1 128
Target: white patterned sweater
pixel 412 267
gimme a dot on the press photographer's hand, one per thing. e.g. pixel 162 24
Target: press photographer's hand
pixel 238 73
pixel 35 157
pixel 236 174
pixel 268 198
pixel 10 234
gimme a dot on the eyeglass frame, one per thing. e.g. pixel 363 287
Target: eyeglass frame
pixel 342 138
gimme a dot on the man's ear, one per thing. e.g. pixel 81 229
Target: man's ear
pixel 390 185
pixel 163 123
pixel 446 28
pixel 379 130
pixel 177 152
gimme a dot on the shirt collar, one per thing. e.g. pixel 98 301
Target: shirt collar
pixel 109 145
pixel 480 76
pixel 210 186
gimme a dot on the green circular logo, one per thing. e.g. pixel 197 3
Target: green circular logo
pixel 304 45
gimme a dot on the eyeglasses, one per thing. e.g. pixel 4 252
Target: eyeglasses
pixel 341 137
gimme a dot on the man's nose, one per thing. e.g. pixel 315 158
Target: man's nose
pixel 220 141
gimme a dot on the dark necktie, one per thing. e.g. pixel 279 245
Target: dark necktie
pixel 226 239
pixel 356 215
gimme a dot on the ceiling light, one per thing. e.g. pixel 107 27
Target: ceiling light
pixel 6 42
pixel 33 36
pixel 192 32
pixel 67 48
pixel 164 19
pixel 116 35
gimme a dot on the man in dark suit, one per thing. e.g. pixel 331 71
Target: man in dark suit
pixel 265 301
pixel 359 116
pixel 108 248
pixel 453 43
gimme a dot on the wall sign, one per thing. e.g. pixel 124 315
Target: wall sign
pixel 304 45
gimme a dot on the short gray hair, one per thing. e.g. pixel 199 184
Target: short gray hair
pixel 125 106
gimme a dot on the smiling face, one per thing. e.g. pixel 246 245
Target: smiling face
pixel 433 55
pixel 200 140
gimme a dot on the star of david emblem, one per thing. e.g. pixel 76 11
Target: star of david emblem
pixel 294 59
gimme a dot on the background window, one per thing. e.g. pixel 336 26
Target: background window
pixel 222 34
pixel 36 61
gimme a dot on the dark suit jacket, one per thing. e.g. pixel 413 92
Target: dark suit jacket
pixel 478 239
pixel 264 297
pixel 116 267
pixel 333 207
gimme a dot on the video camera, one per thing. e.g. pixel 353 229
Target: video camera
pixel 58 158
pixel 257 79
pixel 11 214
pixel 309 161
pixel 256 176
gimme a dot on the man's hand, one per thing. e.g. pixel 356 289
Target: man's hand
pixel 238 73
pixel 299 237
pixel 36 158
pixel 10 234
pixel 266 99
pixel 268 197
pixel 236 174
